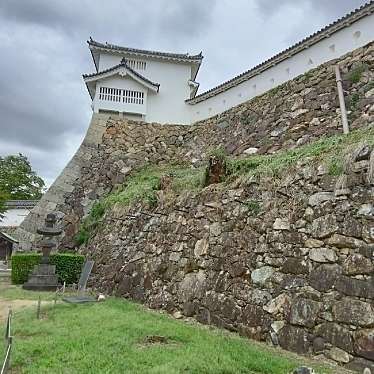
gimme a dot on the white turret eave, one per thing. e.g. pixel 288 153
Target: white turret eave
pixel 122 70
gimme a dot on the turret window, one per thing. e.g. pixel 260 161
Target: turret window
pixel 121 96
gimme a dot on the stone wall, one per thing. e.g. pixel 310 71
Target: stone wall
pixel 54 200
pixel 291 115
pixel 287 260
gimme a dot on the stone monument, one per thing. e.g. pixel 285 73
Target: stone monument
pixel 43 276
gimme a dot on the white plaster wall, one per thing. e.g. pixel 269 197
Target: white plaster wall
pixel 168 105
pixel 121 83
pixel 344 41
pixel 14 217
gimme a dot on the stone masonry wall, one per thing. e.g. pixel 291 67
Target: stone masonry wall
pixel 54 199
pixel 287 260
pixel 291 115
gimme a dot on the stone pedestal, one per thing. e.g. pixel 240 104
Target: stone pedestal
pixel 42 278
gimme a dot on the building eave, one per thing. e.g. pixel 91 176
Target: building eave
pixel 8 238
pixel 112 48
pixel 21 204
pixel 326 32
pixel 90 78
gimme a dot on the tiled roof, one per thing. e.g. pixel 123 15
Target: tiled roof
pixel 175 56
pixel 348 19
pixel 122 64
pixel 8 238
pixel 21 204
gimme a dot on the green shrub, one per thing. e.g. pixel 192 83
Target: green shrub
pixel 22 265
pixel 68 266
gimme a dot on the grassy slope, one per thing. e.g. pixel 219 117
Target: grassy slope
pixel 108 338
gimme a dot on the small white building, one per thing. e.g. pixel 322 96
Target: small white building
pixel 161 87
pixel 16 212
pixel 147 85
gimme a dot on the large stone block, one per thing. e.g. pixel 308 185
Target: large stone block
pixel 354 312
pixel 322 255
pixel 341 241
pixel 304 312
pixel 364 343
pixel 324 277
pixel 324 226
pixel 262 275
pixel 294 339
pixel 356 287
pixel 335 334
pixel 358 264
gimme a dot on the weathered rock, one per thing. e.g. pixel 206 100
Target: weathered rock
pixel 364 343
pixel 338 355
pixel 278 305
pixel 254 315
pixel 341 241
pixel 355 287
pixel 313 243
pixel 361 366
pixel 368 251
pixel 354 312
pixel 324 226
pixel 322 255
pixel 319 198
pixel 304 312
pixel 215 229
pixel 357 264
pixel 201 247
pixel 250 151
pixel 294 339
pixel 324 277
pixel 319 345
pixel 335 334
pixel 277 326
pixel 368 232
pixel 262 275
pixel 281 224
pixel 294 266
pixel 366 210
pixel 192 286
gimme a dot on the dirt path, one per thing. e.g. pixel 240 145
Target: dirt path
pixel 14 304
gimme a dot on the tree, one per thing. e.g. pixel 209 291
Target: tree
pixel 17 179
pixel 3 198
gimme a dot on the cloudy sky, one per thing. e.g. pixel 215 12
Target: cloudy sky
pixel 44 105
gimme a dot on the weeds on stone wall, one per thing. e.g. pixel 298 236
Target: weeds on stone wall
pixel 355 74
pixel 90 223
pixel 253 206
pixel 144 185
pixel 329 150
pixel 353 101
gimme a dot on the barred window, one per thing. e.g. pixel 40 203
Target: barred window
pixel 121 96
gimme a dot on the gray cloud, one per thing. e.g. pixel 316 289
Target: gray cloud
pixel 44 106
pixel 326 8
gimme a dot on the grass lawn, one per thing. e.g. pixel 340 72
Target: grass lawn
pixel 116 337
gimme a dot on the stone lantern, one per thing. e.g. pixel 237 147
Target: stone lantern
pixel 43 276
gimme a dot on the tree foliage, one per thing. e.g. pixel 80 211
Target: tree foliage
pixel 17 180
pixel 3 198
